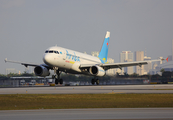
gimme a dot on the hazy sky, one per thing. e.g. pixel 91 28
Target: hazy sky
pixel 29 27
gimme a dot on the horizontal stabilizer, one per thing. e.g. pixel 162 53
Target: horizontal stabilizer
pixel 167 59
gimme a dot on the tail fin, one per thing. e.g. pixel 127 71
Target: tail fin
pixel 104 50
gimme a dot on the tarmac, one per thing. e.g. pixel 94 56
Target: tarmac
pixel 121 89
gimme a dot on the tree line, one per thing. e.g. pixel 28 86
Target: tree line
pixel 72 77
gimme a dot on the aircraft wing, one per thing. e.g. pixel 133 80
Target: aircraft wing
pixel 118 65
pixel 22 63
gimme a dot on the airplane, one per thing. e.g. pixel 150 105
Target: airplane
pixel 65 60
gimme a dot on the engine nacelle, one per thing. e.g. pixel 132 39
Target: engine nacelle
pixel 97 71
pixel 41 71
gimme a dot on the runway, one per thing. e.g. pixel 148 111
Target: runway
pixel 90 114
pixel 119 89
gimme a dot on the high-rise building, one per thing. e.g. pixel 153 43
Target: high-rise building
pixel 148 66
pixel 128 70
pixel 110 71
pixel 95 53
pixel 126 56
pixel 139 56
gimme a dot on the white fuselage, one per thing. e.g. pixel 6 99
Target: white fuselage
pixel 68 60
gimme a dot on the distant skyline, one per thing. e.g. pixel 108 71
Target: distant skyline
pixel 127 56
pixel 29 27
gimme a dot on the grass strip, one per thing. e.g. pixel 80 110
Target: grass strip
pixel 162 89
pixel 70 101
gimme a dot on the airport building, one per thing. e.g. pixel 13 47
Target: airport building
pixel 167 66
pixel 158 65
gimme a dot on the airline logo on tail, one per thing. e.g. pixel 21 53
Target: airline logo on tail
pixel 104 50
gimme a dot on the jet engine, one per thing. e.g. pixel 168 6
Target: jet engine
pixel 97 71
pixel 41 71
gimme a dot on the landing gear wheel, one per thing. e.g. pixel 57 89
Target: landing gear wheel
pixel 97 82
pixel 56 81
pixel 92 81
pixel 61 81
pixel 53 76
pixel 56 76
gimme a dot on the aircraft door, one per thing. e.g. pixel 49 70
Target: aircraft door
pixel 64 55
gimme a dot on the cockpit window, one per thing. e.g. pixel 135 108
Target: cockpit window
pixel 51 51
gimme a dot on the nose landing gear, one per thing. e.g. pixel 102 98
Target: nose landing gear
pixel 56 76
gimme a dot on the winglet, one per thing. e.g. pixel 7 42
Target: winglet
pixel 22 63
pixel 5 60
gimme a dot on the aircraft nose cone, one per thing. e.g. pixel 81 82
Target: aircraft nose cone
pixel 47 59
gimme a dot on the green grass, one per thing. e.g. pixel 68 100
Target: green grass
pixel 162 89
pixel 66 101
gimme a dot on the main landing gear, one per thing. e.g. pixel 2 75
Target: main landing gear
pixel 95 80
pixel 56 76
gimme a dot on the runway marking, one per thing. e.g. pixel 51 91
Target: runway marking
pixel 115 92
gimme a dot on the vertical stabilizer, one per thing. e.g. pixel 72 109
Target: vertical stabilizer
pixel 104 50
